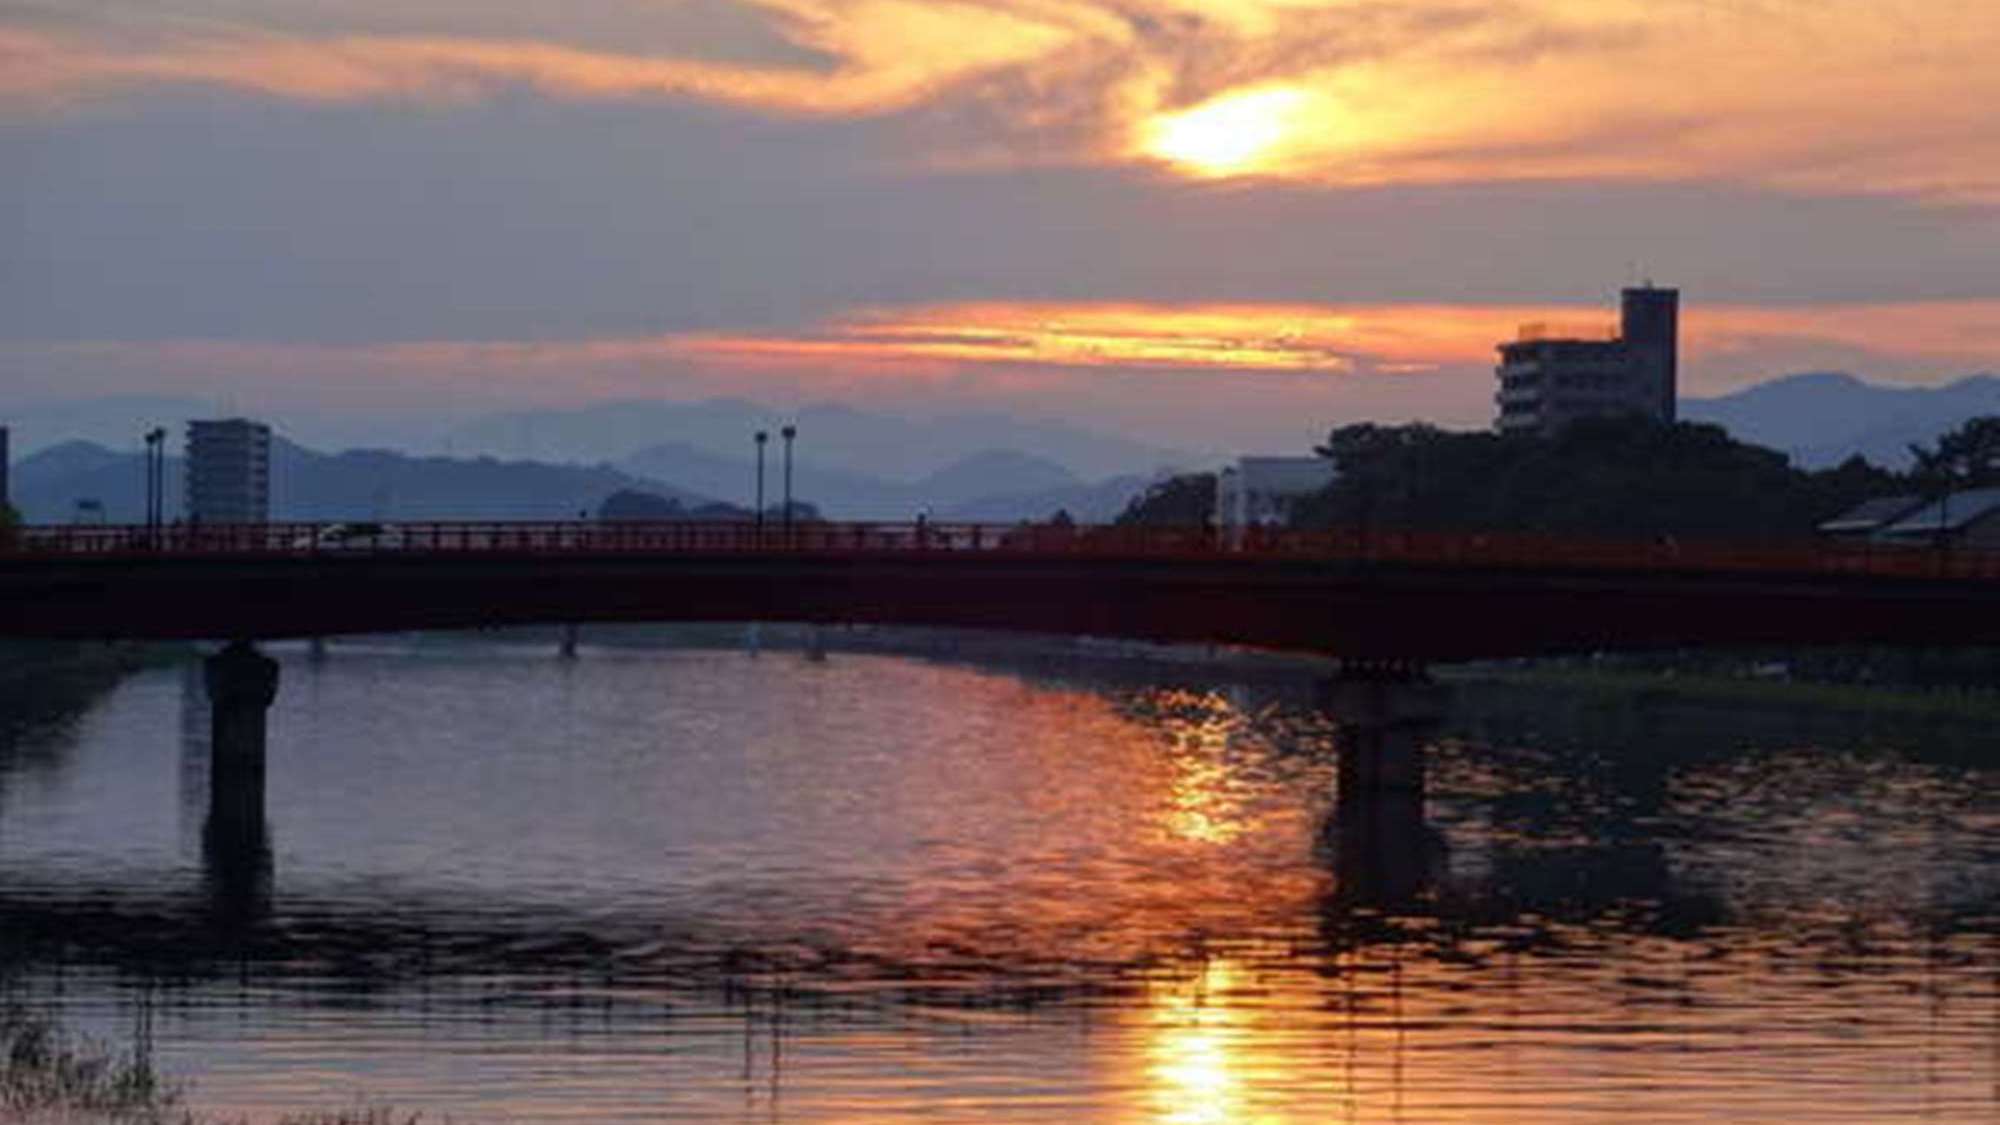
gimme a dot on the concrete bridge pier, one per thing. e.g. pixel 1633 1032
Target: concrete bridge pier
pixel 1383 849
pixel 567 650
pixel 236 848
pixel 1382 724
pixel 242 683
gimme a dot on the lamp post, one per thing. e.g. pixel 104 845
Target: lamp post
pixel 763 438
pixel 156 485
pixel 788 433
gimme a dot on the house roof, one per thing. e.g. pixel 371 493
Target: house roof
pixel 1955 512
pixel 1871 514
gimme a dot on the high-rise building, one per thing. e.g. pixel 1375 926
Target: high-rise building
pixel 228 471
pixel 6 497
pixel 1550 378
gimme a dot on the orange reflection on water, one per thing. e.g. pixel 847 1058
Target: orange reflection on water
pixel 1194 1079
pixel 1204 804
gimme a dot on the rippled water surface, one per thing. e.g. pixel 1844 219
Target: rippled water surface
pixel 712 886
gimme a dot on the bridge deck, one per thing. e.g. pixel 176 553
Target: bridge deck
pixel 1481 549
pixel 1393 595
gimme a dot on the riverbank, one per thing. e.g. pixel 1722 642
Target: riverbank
pixel 43 682
pixel 1705 687
pixel 49 1077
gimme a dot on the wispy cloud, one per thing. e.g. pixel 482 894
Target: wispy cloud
pixel 1244 376
pixel 921 343
pixel 1352 340
pixel 1838 95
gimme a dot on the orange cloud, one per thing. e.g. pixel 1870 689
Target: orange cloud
pixel 1341 340
pixel 1836 96
pixel 944 341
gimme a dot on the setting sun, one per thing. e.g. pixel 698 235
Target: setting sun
pixel 1231 135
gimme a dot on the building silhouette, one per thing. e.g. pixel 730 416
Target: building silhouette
pixel 1550 377
pixel 228 471
pixel 5 495
pixel 1260 491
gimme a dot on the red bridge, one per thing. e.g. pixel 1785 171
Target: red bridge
pixel 1383 596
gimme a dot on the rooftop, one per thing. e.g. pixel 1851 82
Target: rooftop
pixel 1954 512
pixel 1871 514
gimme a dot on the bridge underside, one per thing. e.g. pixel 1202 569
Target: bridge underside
pixel 1370 611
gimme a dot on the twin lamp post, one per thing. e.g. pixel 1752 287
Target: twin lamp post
pixel 762 439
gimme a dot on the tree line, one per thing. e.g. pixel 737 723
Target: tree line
pixel 1616 477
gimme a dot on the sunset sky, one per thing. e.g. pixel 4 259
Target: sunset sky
pixel 1226 222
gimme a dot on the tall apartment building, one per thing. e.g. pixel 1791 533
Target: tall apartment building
pixel 1549 379
pixel 5 496
pixel 228 471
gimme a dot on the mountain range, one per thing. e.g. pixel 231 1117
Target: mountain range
pixel 851 464
pixel 998 485
pixel 382 484
pixel 1822 419
pixel 311 486
pixel 884 446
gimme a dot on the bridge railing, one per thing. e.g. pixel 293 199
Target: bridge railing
pixel 1352 545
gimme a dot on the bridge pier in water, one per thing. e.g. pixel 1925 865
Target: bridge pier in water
pixel 1384 715
pixel 242 683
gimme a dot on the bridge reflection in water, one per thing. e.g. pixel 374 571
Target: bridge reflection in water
pixel 1375 838
pixel 1358 974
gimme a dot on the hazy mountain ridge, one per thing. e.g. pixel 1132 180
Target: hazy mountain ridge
pixel 385 484
pixel 830 437
pixel 961 468
pixel 993 485
pixel 1822 418
pixel 357 484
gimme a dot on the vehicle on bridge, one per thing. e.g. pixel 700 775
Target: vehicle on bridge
pixel 351 537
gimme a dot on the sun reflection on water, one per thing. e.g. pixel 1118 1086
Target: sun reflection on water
pixel 1194 1074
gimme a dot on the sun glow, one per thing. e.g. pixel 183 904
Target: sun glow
pixel 1233 135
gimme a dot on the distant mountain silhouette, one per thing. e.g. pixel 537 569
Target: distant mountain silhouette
pixel 994 472
pixel 1823 418
pixel 840 493
pixel 115 423
pixel 834 438
pixel 994 485
pixel 629 505
pixel 1086 503
pixel 48 485
pixel 359 484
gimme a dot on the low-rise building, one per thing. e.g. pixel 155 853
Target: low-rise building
pixel 1968 519
pixel 1260 491
pixel 1865 520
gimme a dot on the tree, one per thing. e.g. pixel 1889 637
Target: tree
pixel 1180 501
pixel 1618 477
pixel 10 524
pixel 1968 457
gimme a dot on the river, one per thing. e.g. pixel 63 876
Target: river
pixel 719 885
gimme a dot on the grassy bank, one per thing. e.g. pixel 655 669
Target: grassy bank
pixel 48 1077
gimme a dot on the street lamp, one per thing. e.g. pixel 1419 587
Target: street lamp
pixel 763 439
pixel 788 433
pixel 156 485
